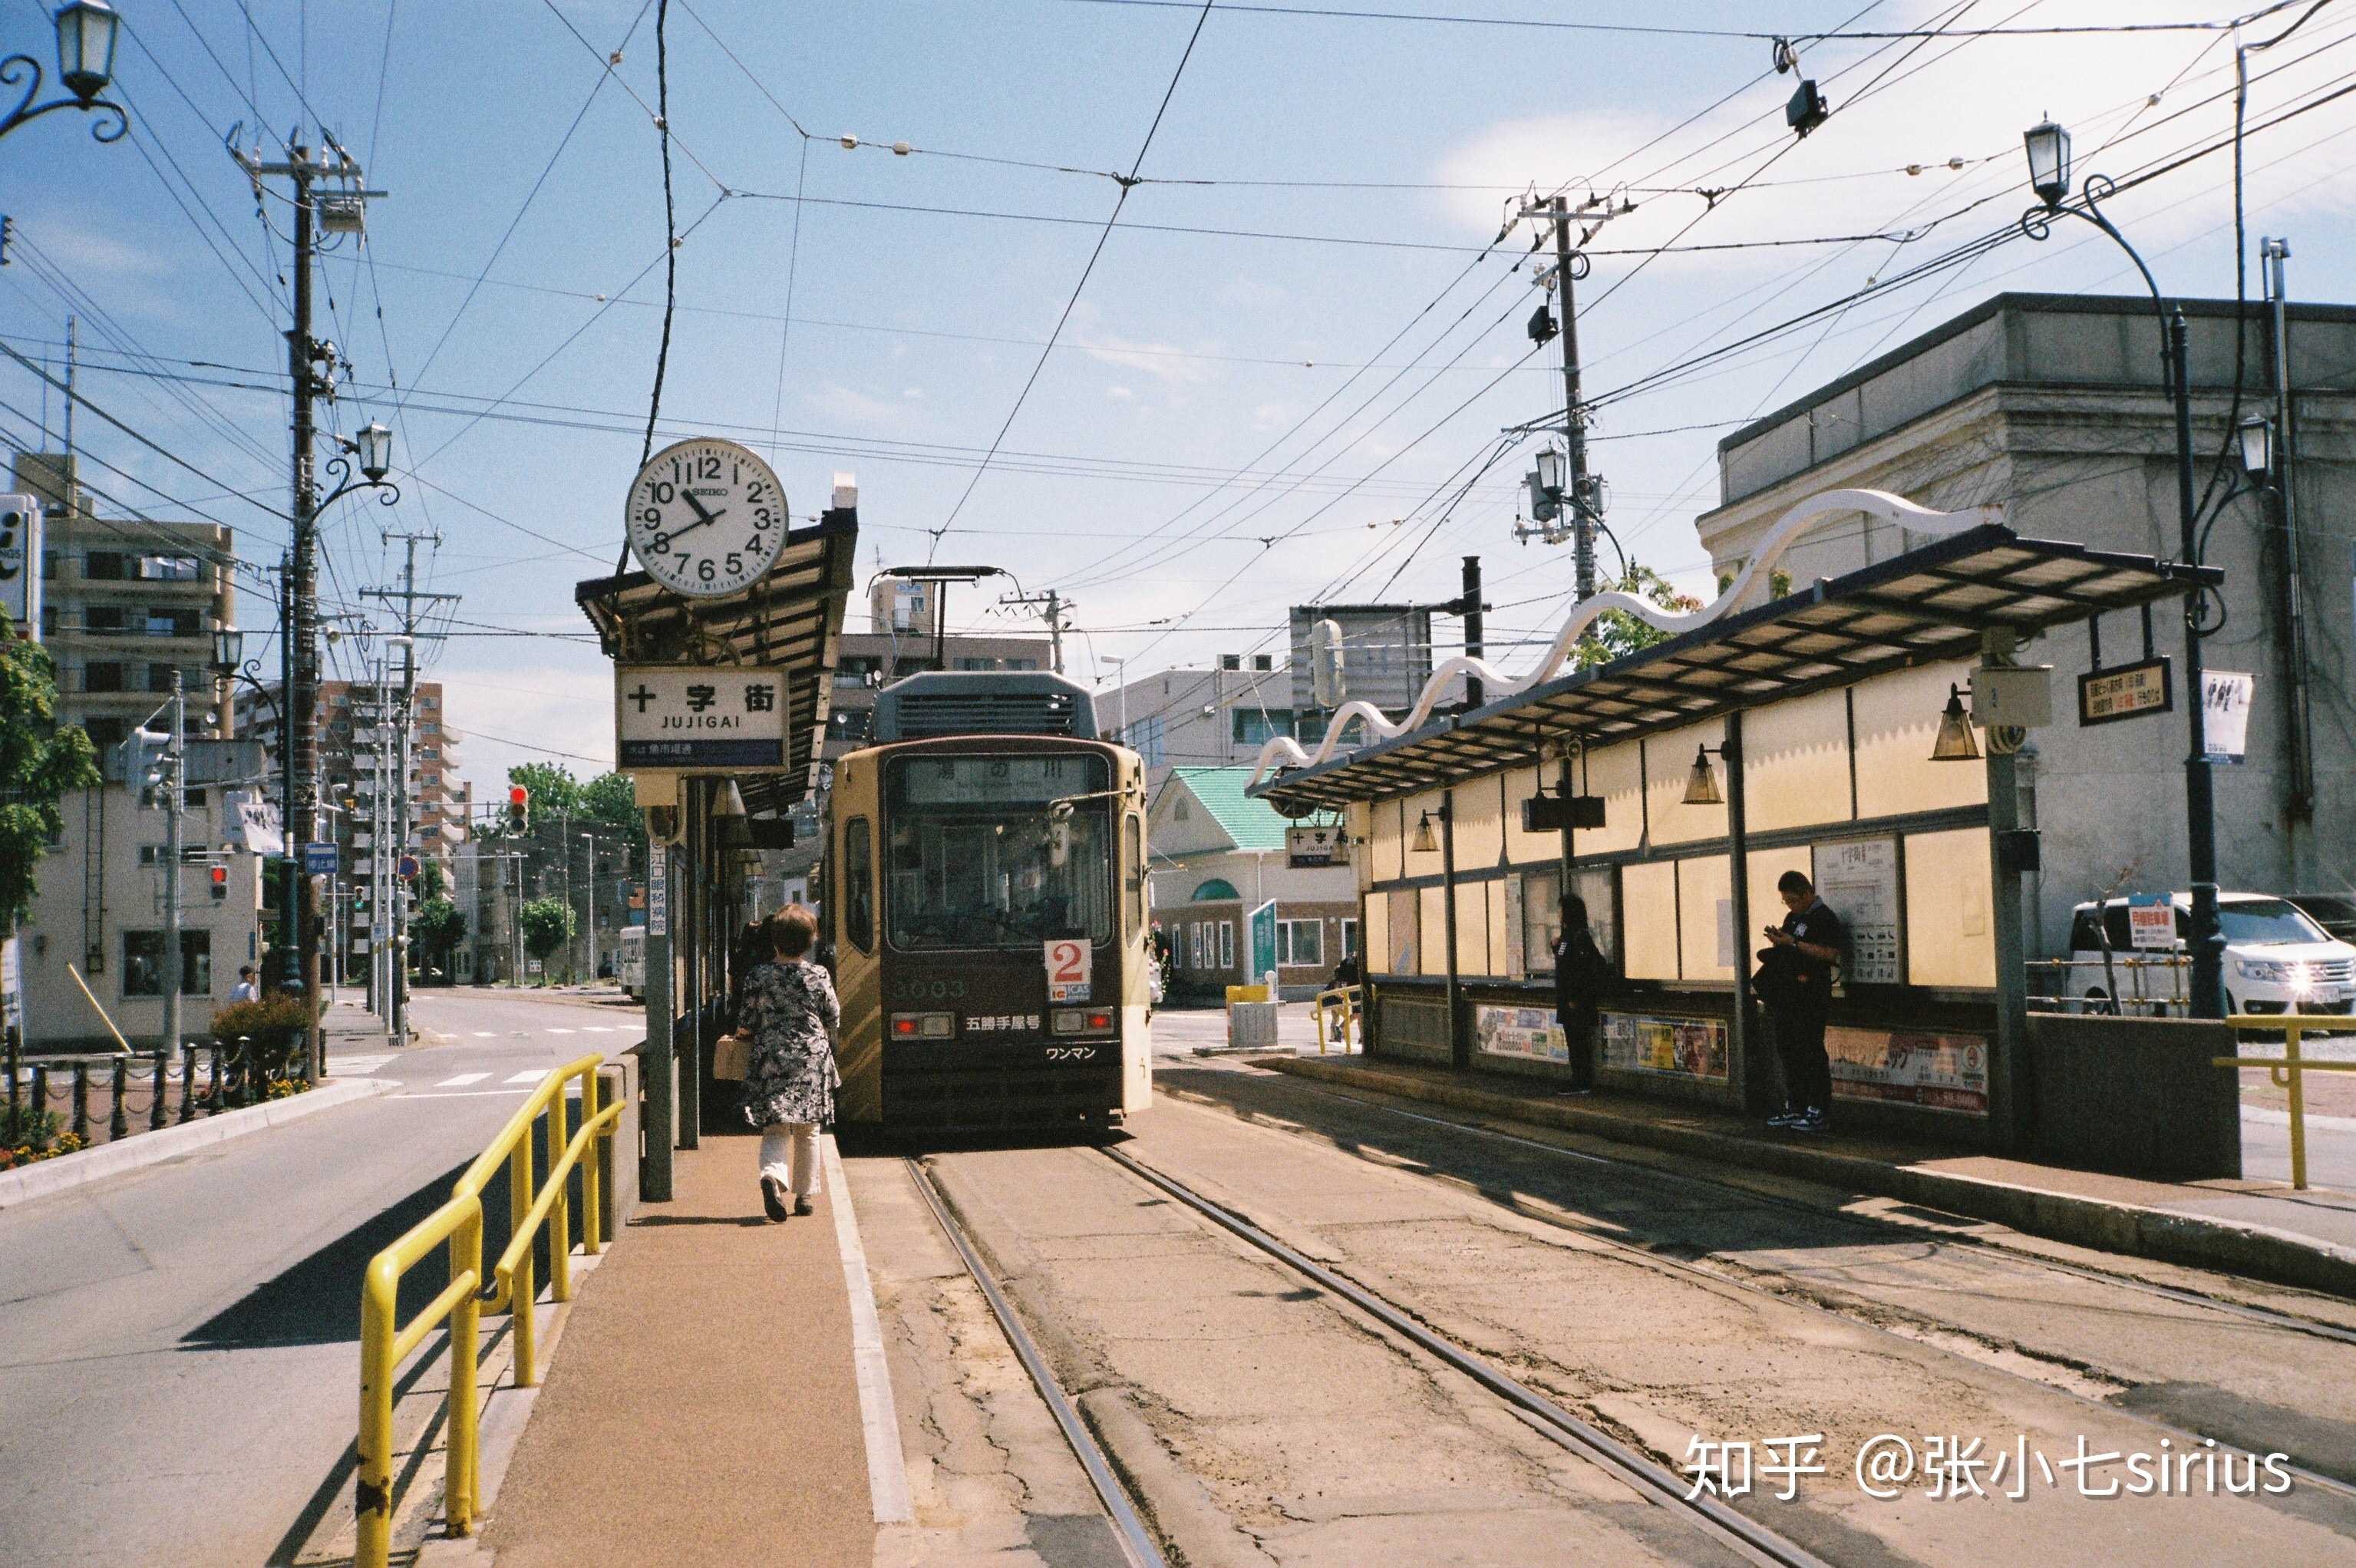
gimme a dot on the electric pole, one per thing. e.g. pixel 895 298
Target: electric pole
pixel 1054 608
pixel 409 599
pixel 1552 490
pixel 175 797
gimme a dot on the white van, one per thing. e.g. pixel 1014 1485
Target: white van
pixel 2277 959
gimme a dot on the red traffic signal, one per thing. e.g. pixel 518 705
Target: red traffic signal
pixel 220 883
pixel 519 809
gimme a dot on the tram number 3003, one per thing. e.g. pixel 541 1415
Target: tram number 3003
pixel 1070 1053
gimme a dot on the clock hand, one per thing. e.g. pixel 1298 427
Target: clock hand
pixel 707 517
pixel 701 509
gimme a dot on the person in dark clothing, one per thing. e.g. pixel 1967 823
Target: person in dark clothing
pixel 1580 974
pixel 1795 984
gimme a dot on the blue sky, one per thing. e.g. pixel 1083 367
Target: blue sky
pixel 1175 408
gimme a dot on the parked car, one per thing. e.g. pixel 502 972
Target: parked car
pixel 2277 959
pixel 2335 912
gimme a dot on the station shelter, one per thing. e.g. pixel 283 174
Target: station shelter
pixel 1797 735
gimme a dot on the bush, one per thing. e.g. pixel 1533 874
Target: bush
pixel 277 1025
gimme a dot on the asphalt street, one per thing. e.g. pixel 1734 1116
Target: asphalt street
pixel 179 1346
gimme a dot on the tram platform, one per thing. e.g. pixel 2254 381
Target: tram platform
pixel 705 1406
pixel 2256 1228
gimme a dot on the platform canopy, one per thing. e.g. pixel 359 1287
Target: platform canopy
pixel 791 620
pixel 1926 605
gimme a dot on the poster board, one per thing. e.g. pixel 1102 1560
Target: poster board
pixel 1863 881
pixel 1910 1066
pixel 1526 1034
pixel 1673 1047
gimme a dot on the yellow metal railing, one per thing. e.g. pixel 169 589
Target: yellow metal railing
pixel 1347 1002
pixel 385 1343
pixel 2287 1068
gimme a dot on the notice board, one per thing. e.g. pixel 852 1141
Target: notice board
pixel 1861 880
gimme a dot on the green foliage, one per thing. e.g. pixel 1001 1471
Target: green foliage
pixel 435 926
pixel 25 1128
pixel 548 925
pixel 278 1027
pixel 38 763
pixel 612 808
pixel 431 883
pixel 1616 633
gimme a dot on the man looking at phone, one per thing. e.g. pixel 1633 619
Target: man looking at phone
pixel 1805 948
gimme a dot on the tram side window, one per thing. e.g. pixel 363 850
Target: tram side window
pixel 858 885
pixel 1136 871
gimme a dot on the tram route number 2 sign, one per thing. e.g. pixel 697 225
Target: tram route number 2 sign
pixel 1070 961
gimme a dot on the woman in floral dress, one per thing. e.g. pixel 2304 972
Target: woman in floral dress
pixel 788 1010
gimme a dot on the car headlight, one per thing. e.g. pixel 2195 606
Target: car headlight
pixel 2263 969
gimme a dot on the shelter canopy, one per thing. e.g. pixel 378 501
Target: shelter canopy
pixel 790 620
pixel 1926 605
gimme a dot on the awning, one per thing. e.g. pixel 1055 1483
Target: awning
pixel 791 620
pixel 1926 605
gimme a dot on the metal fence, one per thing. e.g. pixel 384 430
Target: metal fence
pixel 2138 985
pixel 108 1096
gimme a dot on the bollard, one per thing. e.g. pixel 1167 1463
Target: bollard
pixel 162 1082
pixel 245 1095
pixel 40 1103
pixel 16 1066
pixel 82 1102
pixel 118 1121
pixel 187 1081
pixel 213 1093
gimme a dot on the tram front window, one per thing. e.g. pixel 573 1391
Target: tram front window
pixel 979 858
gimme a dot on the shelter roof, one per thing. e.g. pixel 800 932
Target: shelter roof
pixel 1926 605
pixel 791 620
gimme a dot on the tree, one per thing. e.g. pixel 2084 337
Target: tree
pixel 435 926
pixel 610 807
pixel 555 794
pixel 1616 633
pixel 431 883
pixel 38 763
pixel 548 925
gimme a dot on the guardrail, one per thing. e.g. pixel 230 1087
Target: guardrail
pixel 385 1343
pixel 2122 979
pixel 1349 1029
pixel 2287 1069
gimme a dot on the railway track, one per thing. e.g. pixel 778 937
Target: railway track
pixel 1745 1537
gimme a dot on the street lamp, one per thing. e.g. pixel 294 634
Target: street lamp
pixel 1955 743
pixel 1550 471
pixel 87 30
pixel 230 664
pixel 2048 148
pixel 374 449
pixel 2256 434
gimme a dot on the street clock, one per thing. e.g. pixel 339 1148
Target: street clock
pixel 706 517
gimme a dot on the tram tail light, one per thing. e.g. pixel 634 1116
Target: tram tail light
pixel 923 1025
pixel 1085 1020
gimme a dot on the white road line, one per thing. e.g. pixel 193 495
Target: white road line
pixel 532 1077
pixel 463 1094
pixel 595 1029
pixel 484 1035
pixel 358 1066
pixel 462 1079
pixel 560 1031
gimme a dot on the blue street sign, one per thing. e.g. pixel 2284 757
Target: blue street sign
pixel 319 859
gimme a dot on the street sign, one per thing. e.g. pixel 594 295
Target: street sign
pixel 698 718
pixel 2152 926
pixel 1261 926
pixel 2125 692
pixel 657 890
pixel 319 860
pixel 406 868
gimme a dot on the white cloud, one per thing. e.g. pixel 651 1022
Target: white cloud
pixel 1120 394
pixel 838 402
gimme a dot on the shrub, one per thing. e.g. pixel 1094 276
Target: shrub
pixel 276 1024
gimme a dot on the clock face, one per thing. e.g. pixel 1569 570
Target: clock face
pixel 706 517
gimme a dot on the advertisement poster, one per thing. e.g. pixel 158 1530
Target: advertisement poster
pixel 1937 1072
pixel 1859 878
pixel 1529 1033
pixel 2225 714
pixel 1690 1048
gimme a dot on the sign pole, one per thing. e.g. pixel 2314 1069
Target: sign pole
pixel 655 1059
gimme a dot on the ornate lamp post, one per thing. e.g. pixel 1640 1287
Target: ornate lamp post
pixel 2048 147
pixel 373 447
pixel 87 30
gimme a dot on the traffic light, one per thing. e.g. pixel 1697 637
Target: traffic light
pixel 220 883
pixel 519 809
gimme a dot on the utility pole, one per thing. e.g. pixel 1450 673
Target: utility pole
pixel 311 364
pixel 1469 607
pixel 175 801
pixel 409 599
pixel 1578 490
pixel 1055 607
pixel 2300 727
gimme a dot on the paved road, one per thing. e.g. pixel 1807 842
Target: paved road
pixel 179 1346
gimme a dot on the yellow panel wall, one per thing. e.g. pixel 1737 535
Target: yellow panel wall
pixel 1473 928
pixel 1897 720
pixel 1950 940
pixel 1795 762
pixel 1433 902
pixel 1375 934
pixel 1480 825
pixel 1384 854
pixel 1501 957
pixel 1668 763
pixel 1648 913
pixel 1359 822
pixel 1614 773
pixel 1704 883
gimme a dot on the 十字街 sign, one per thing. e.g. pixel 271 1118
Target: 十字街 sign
pixel 686 718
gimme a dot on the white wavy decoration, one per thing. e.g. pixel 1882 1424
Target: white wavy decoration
pixel 1284 751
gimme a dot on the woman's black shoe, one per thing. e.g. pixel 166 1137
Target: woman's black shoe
pixel 801 1206
pixel 773 1198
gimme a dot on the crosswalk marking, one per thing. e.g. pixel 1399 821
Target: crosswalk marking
pixel 560 1031
pixel 595 1029
pixel 462 1079
pixel 359 1067
pixel 532 1077
pixel 484 1035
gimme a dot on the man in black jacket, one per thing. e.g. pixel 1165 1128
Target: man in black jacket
pixel 1795 987
pixel 1581 973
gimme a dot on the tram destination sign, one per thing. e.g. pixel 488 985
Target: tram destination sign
pixel 2125 692
pixel 691 718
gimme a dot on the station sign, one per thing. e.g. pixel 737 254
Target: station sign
pixel 1309 848
pixel 699 718
pixel 2125 692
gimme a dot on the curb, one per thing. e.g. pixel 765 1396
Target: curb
pixel 2258 1252
pixel 46 1177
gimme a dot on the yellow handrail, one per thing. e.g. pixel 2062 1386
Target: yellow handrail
pixel 384 1343
pixel 1348 999
pixel 2287 1069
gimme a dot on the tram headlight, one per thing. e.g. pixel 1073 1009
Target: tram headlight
pixel 1085 1020
pixel 923 1025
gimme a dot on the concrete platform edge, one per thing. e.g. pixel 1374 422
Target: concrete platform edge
pixel 2192 1241
pixel 887 1472
pixel 142 1149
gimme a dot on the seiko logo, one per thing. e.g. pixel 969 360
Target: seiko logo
pixel 708 491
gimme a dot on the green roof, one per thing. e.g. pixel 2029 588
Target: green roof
pixel 1253 824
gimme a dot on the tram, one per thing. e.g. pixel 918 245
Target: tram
pixel 984 893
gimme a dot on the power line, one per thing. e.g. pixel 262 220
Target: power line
pixel 1658 30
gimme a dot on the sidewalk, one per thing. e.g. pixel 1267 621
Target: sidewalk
pixel 2262 1229
pixel 704 1407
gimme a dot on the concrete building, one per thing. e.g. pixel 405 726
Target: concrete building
pixel 100 909
pixel 895 606
pixel 1218 855
pixel 1387 656
pixel 2053 407
pixel 124 603
pixel 1196 718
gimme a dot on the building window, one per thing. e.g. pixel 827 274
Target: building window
pixel 172 623
pixel 1216 887
pixel 1301 942
pixel 1226 944
pixel 1145 738
pixel 168 568
pixel 1194 945
pixel 103 566
pixel 48 565
pixel 1541 920
pixel 1256 727
pixel 103 678
pixel 858 885
pixel 1349 937
pixel 105 620
pixel 142 963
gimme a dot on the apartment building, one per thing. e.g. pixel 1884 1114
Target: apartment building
pixel 1201 717
pixel 126 602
